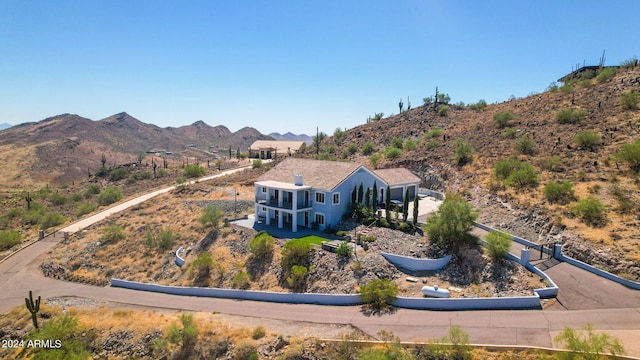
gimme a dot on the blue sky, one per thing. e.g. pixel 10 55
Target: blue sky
pixel 291 65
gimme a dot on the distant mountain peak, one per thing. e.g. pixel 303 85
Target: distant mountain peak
pixel 199 123
pixel 5 126
pixel 289 136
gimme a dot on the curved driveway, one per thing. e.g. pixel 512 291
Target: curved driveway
pixel 19 274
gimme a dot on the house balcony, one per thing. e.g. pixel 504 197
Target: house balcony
pixel 288 205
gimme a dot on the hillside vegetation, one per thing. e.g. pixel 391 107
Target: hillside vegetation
pixel 583 138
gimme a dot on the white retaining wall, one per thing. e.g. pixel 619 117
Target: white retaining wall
pixel 179 259
pixel 493 303
pixel 416 264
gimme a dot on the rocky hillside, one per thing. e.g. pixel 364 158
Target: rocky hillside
pixel 63 148
pixel 553 150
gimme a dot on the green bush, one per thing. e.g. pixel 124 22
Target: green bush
pixel 397 142
pixel 463 152
pixel 503 118
pixel 570 116
pixel 240 281
pixel 552 163
pixel 605 74
pixel 162 239
pixel 450 226
pixel 498 244
pixel 295 252
pixel 193 171
pixel 588 139
pixel 391 152
pixel 588 345
pixel 92 189
pixel 261 246
pixel 338 136
pixel 630 153
pixel 410 145
pixel 297 277
pixel 525 145
pixel 8 239
pixel 558 192
pixel 187 337
pixel 131 180
pixel 57 199
pixel 503 168
pixel 211 216
pixel 352 149
pixel 344 250
pixel 443 110
pixel 629 63
pixel 481 104
pixel 200 268
pixel 374 159
pixel 109 196
pixel 430 144
pixel 378 293
pixel 51 219
pixel 86 208
pixel 112 233
pixel 145 175
pixel 73 340
pixel 76 197
pixel 510 133
pixel 368 148
pixel 433 133
pixel 118 174
pixel 523 177
pixel 246 350
pixel 629 100
pixel 258 332
pixel 590 210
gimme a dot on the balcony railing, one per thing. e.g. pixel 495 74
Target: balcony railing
pixel 285 204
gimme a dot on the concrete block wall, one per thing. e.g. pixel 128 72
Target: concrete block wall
pixel 416 264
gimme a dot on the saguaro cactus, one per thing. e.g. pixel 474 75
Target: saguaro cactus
pixel 28 199
pixel 33 308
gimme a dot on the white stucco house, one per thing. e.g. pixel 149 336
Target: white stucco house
pixel 316 193
pixel 267 149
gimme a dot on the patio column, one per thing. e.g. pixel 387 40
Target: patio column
pixel 294 208
pixel 280 193
pixel 280 219
pixel 268 217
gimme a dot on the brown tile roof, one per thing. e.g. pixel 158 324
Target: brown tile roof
pixel 396 176
pixel 319 174
pixel 281 145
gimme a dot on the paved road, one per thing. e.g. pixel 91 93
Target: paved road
pixel 19 274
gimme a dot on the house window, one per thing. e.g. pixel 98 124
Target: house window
pixel 320 197
pixel 264 209
pixel 320 219
pixel 336 198
pixel 264 189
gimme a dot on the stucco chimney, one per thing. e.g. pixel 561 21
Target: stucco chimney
pixel 297 178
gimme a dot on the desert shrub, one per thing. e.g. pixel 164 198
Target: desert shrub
pixel 200 268
pixel 552 163
pixel 605 74
pixel 368 148
pixel 498 244
pixel 481 104
pixel 258 332
pixel 145 175
pixel 193 171
pixel 397 142
pixel 256 164
pixel 409 145
pixel 392 152
pixel 553 87
pixel 57 199
pixel 503 118
pixel 558 192
pixel 590 210
pixel 112 233
pixel 51 219
pixel 35 214
pixel 109 196
pixel 524 176
pixel 162 172
pixel 626 205
pixel 378 293
pixel 433 133
pixel 187 336
pixel 261 246
pixel 240 281
pixel 131 180
pixel 588 345
pixel 76 197
pixel 443 110
pixel 118 174
pixel 338 136
pixel 629 63
pixel 588 139
pixel 463 153
pixel 211 215
pixel 295 252
pixel 344 250
pixel 510 133
pixel 92 189
pixel 246 350
pixel 161 239
pixel 374 159
pixel 297 276
pixel 72 336
pixel 352 149
pixel 629 100
pixel 86 208
pixel 8 239
pixel 570 116
pixel 525 145
pixel 430 144
pixel 450 226
pixel 630 153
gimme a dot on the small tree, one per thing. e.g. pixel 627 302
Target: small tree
pixel 525 145
pixel 498 244
pixel 392 152
pixel 109 196
pixel 590 210
pixel 338 136
pixel 200 268
pixel 387 204
pixel 261 246
pixel 450 226
pixel 588 139
pixel 187 337
pixel 397 142
pixel 630 153
pixel 416 209
pixel 558 192
pixel 211 216
pixel 463 152
pixel 570 116
pixel 8 239
pixel 112 233
pixel 629 100
pixel 295 252
pixel 503 118
pixel 443 110
pixel 257 163
pixel 405 205
pixel 368 148
pixel 344 250
pixel 374 198
pixel 193 171
pixel 590 346
pixel 523 177
pixel 378 293
pixel 297 277
pixel 374 159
